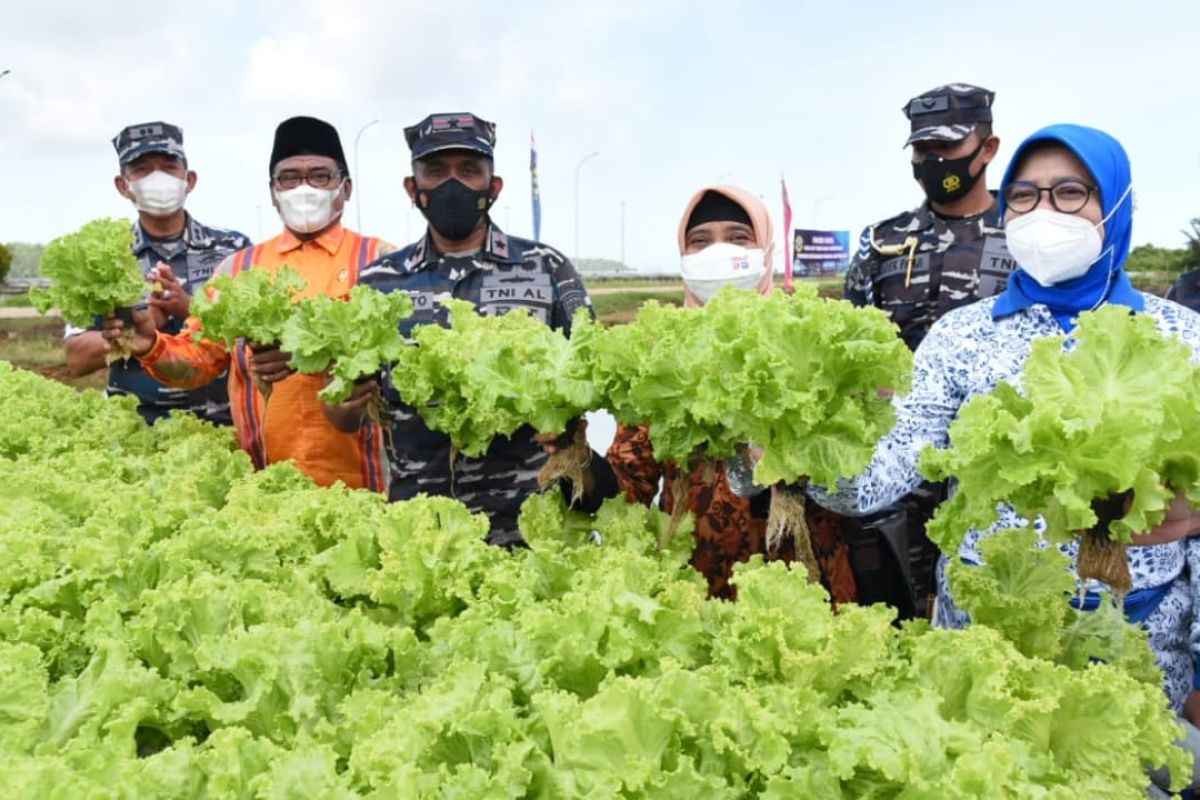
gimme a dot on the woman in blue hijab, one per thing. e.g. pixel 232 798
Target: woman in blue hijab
pixel 1068 214
pixel 1068 203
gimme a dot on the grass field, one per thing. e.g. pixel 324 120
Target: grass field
pixel 36 344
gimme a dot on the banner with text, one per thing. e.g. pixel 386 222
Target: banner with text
pixel 820 253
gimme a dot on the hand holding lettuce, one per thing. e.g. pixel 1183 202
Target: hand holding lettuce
pixel 1119 412
pixel 93 273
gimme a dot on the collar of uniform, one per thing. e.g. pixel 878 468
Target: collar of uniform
pixel 195 236
pixel 990 217
pixel 495 249
pixel 329 240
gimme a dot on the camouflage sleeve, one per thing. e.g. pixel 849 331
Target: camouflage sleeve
pixel 570 295
pixel 858 289
pixel 631 457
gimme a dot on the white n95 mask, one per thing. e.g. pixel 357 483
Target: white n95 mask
pixel 719 265
pixel 306 209
pixel 158 194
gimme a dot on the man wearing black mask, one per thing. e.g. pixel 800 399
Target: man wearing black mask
pixel 464 255
pixel 916 266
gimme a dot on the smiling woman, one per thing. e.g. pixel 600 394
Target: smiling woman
pixel 1071 261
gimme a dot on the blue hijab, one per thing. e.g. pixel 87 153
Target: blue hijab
pixel 1106 280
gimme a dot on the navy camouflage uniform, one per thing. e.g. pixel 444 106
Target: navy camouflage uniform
pixel 916 266
pixel 192 256
pixel 1186 290
pixel 508 273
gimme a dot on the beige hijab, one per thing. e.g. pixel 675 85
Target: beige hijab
pixel 760 221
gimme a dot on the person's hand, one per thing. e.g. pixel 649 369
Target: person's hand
pixel 269 363
pixel 1181 522
pixel 553 442
pixel 143 328
pixel 360 396
pixel 169 298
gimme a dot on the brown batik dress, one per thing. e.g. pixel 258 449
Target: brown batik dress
pixel 729 529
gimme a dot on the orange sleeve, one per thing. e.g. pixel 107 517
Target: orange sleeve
pixel 182 363
pixel 632 460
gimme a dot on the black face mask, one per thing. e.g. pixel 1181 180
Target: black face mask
pixel 453 209
pixel 946 180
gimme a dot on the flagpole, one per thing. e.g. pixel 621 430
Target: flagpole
pixel 535 195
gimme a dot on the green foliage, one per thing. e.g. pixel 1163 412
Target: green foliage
pixel 26 258
pixel 487 376
pixel 205 631
pixel 6 260
pixel 796 374
pixel 1119 411
pixel 1192 260
pixel 357 336
pixel 254 305
pixel 1148 258
pixel 92 272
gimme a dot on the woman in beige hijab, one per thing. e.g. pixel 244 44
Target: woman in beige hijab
pixel 725 237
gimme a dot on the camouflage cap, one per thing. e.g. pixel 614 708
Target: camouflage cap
pixel 948 113
pixel 148 137
pixel 460 131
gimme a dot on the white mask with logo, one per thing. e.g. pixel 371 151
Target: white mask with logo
pixel 159 194
pixel 1054 247
pixel 719 265
pixel 306 209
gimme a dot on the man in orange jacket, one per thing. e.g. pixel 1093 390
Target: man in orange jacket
pixel 310 185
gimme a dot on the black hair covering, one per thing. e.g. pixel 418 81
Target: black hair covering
pixel 716 207
pixel 307 136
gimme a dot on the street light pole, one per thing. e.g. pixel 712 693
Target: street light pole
pixel 358 188
pixel 579 166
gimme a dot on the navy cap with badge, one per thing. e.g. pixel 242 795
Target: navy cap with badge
pixel 461 131
pixel 948 113
pixel 135 141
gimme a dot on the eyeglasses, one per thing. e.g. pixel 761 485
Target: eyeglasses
pixel 1067 195
pixel 316 178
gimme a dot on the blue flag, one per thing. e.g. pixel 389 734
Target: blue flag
pixel 536 195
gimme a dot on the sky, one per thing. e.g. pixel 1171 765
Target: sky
pixel 672 96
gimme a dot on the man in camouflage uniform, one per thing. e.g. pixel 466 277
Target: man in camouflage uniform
pixel 176 251
pixel 916 266
pixel 465 255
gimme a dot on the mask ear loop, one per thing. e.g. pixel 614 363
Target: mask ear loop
pixel 1110 272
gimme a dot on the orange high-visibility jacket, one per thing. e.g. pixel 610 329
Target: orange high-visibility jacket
pixel 291 425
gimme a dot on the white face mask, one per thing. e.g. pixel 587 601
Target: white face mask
pixel 719 265
pixel 1054 247
pixel 305 209
pixel 158 194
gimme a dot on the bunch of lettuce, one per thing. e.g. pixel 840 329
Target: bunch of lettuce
pixel 1115 410
pixel 487 376
pixel 798 375
pixel 1021 589
pixel 253 305
pixel 357 336
pixel 219 632
pixel 92 272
